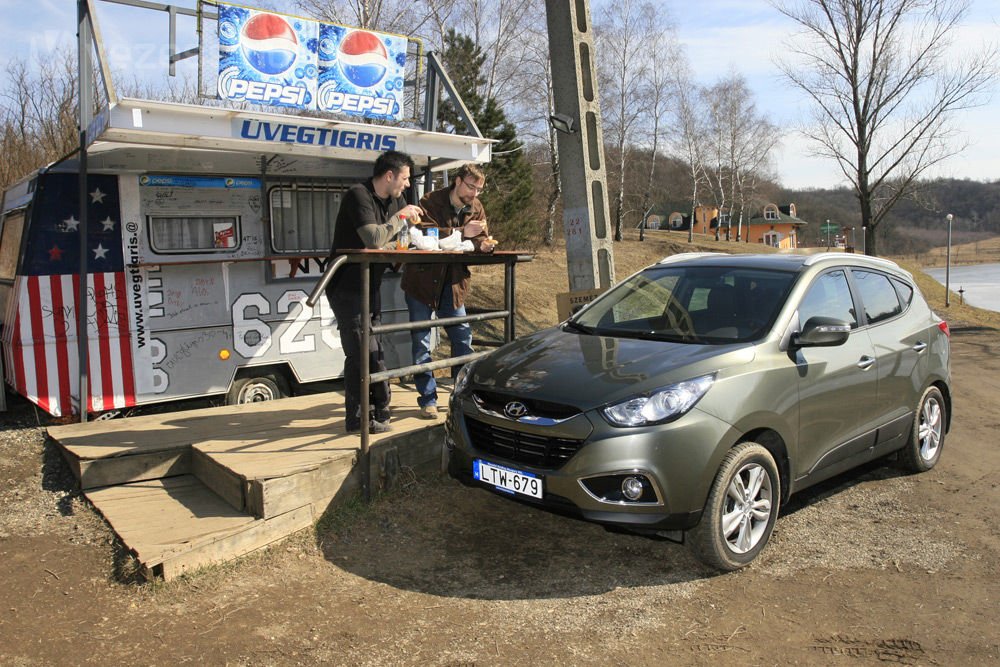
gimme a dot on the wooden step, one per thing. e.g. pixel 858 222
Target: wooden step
pixel 176 524
pixel 231 480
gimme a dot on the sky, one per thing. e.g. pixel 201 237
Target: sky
pixel 718 35
pixel 747 35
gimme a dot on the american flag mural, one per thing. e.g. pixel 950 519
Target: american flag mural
pixel 40 343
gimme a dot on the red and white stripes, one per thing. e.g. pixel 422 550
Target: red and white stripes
pixel 42 360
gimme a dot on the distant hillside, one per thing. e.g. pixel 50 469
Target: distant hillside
pixel 914 225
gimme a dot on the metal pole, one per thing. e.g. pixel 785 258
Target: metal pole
pixel 864 240
pixel 366 316
pixel 365 380
pixel 85 102
pixel 947 269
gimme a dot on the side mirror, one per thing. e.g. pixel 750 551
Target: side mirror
pixel 822 332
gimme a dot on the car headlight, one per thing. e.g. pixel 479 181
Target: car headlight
pixel 462 379
pixel 662 405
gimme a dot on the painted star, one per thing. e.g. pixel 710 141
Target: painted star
pixel 108 223
pixel 97 197
pixel 70 224
pixel 100 252
pixel 55 253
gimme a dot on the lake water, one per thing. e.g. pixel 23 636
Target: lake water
pixel 981 283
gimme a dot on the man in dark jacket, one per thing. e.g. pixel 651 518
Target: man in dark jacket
pixel 443 288
pixel 371 215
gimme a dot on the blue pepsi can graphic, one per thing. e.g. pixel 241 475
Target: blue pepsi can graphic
pixel 267 58
pixel 361 73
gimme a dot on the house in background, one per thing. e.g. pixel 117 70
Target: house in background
pixel 776 226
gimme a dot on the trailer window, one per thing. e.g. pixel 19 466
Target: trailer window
pixel 302 218
pixel 10 244
pixel 186 234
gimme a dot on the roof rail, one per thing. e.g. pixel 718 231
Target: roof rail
pixel 812 259
pixel 689 255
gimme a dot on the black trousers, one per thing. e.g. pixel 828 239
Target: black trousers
pixel 347 309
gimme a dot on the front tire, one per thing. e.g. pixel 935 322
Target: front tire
pixel 923 449
pixel 257 389
pixel 741 509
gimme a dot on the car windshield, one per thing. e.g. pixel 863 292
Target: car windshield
pixel 696 304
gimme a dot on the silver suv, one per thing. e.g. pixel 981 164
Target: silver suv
pixel 698 394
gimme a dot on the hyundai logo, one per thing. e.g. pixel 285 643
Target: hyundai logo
pixel 515 409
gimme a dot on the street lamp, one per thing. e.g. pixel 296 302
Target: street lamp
pixel 947 266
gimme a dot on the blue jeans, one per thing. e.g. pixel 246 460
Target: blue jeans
pixel 460 336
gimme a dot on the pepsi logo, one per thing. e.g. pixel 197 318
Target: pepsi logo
pixel 269 44
pixel 363 58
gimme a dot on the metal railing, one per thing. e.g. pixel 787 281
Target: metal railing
pixel 365 258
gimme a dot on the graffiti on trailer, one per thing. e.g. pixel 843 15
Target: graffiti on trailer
pixel 102 309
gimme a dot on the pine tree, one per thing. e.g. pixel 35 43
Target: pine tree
pixel 509 184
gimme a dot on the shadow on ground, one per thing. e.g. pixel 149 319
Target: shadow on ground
pixel 440 538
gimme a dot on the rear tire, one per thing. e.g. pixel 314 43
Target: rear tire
pixel 741 509
pixel 257 389
pixel 923 449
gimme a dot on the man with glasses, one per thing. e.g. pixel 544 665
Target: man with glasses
pixel 371 215
pixel 443 288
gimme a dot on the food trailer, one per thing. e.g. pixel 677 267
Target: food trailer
pixel 207 227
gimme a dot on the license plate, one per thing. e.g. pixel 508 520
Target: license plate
pixel 507 479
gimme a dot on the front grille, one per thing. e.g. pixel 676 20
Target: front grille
pixel 535 450
pixel 496 402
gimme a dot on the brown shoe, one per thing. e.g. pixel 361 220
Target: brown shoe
pixel 429 412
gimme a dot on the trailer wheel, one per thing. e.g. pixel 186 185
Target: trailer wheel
pixel 257 389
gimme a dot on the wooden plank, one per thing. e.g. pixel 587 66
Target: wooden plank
pixel 117 437
pixel 277 495
pixel 221 480
pixel 124 469
pixel 253 536
pixel 158 519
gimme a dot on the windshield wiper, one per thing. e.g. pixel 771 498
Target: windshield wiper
pixel 581 328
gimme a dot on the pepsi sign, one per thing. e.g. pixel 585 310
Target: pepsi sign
pixel 266 58
pixel 274 59
pixel 361 72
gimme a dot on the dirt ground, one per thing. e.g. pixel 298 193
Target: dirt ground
pixel 871 567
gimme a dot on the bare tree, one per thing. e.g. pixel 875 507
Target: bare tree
pixel 884 87
pixel 658 90
pixel 621 40
pixel 397 16
pixel 688 133
pixel 38 122
pixel 742 139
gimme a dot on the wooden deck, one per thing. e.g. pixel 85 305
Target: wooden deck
pixel 185 489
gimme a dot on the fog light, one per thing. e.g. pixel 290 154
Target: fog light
pixel 632 488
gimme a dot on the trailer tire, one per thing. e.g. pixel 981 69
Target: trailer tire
pixel 256 389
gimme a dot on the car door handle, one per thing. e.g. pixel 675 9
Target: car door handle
pixel 919 347
pixel 866 362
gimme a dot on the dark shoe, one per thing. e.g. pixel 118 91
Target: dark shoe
pixel 383 415
pixel 374 426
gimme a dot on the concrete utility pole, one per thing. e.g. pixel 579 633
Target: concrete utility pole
pixel 577 118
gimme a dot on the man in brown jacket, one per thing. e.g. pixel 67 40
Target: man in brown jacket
pixel 443 288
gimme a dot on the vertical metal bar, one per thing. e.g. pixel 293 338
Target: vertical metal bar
pixel 513 302
pixel 508 297
pixel 365 377
pixel 172 11
pixel 86 104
